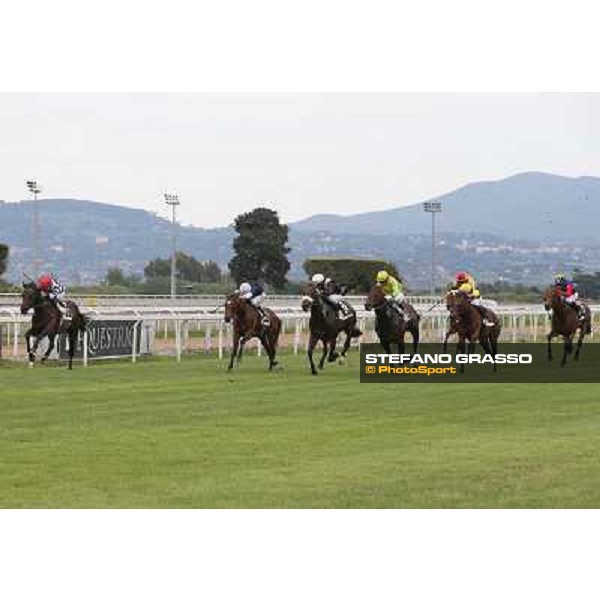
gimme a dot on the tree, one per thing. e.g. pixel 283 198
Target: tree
pixel 188 269
pixel 357 274
pixel 115 276
pixel 260 250
pixel 3 259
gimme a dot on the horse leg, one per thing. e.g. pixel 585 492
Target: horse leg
pixel 243 341
pixel 234 349
pixel 579 343
pixel 487 348
pixel 30 354
pixel 73 337
pixel 401 344
pixel 312 342
pixel 414 330
pixel 325 351
pixel 333 355
pixel 448 334
pixel 549 338
pixel 346 344
pixel 273 336
pixel 461 348
pixel 567 349
pixel 268 346
pixel 51 340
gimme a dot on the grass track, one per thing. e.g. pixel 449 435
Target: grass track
pixel 160 434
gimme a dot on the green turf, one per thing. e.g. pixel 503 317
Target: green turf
pixel 162 434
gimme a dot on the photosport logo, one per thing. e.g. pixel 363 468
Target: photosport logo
pixel 513 363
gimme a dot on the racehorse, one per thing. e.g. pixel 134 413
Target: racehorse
pixel 48 322
pixel 391 327
pixel 469 325
pixel 565 323
pixel 247 324
pixel 325 326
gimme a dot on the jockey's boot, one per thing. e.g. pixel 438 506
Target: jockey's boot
pixel 263 317
pixel 63 310
pixel 399 308
pixel 345 312
pixel 486 322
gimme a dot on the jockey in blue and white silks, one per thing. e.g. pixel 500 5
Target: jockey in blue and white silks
pixel 254 293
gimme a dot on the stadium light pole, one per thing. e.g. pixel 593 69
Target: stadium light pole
pixel 433 208
pixel 33 187
pixel 173 201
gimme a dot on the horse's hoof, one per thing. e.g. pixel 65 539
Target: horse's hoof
pixel 342 360
pixel 315 372
pixel 30 365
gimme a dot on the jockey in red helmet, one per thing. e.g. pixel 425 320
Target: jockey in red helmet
pixel 50 288
pixel 44 284
pixel 464 282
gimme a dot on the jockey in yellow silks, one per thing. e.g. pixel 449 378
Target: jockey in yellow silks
pixel 464 282
pixel 393 290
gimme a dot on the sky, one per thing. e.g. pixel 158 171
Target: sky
pixel 300 154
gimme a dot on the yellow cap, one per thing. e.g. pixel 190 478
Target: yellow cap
pixel 382 276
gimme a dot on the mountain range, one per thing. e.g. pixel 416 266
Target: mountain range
pixel 519 228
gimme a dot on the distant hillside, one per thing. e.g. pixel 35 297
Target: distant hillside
pixel 82 239
pixel 530 206
pixel 521 229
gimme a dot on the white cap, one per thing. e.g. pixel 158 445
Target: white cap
pixel 318 278
pixel 245 288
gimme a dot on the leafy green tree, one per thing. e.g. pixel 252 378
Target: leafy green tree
pixel 115 276
pixel 188 269
pixel 588 283
pixel 260 249
pixel 356 274
pixel 3 259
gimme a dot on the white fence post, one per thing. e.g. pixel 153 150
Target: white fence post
pixel 85 347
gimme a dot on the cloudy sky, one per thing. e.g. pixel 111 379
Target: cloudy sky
pixel 298 153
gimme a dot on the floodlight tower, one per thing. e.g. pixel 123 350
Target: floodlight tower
pixel 433 208
pixel 173 201
pixel 33 187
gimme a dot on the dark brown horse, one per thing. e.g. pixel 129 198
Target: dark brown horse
pixel 469 325
pixel 247 324
pixel 325 326
pixel 565 323
pixel 390 325
pixel 48 322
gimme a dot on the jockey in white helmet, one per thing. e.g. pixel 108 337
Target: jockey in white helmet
pixel 254 293
pixel 332 293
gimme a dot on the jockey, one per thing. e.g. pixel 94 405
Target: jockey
pixel 393 290
pixel 464 282
pixel 51 288
pixel 567 289
pixel 332 293
pixel 254 293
